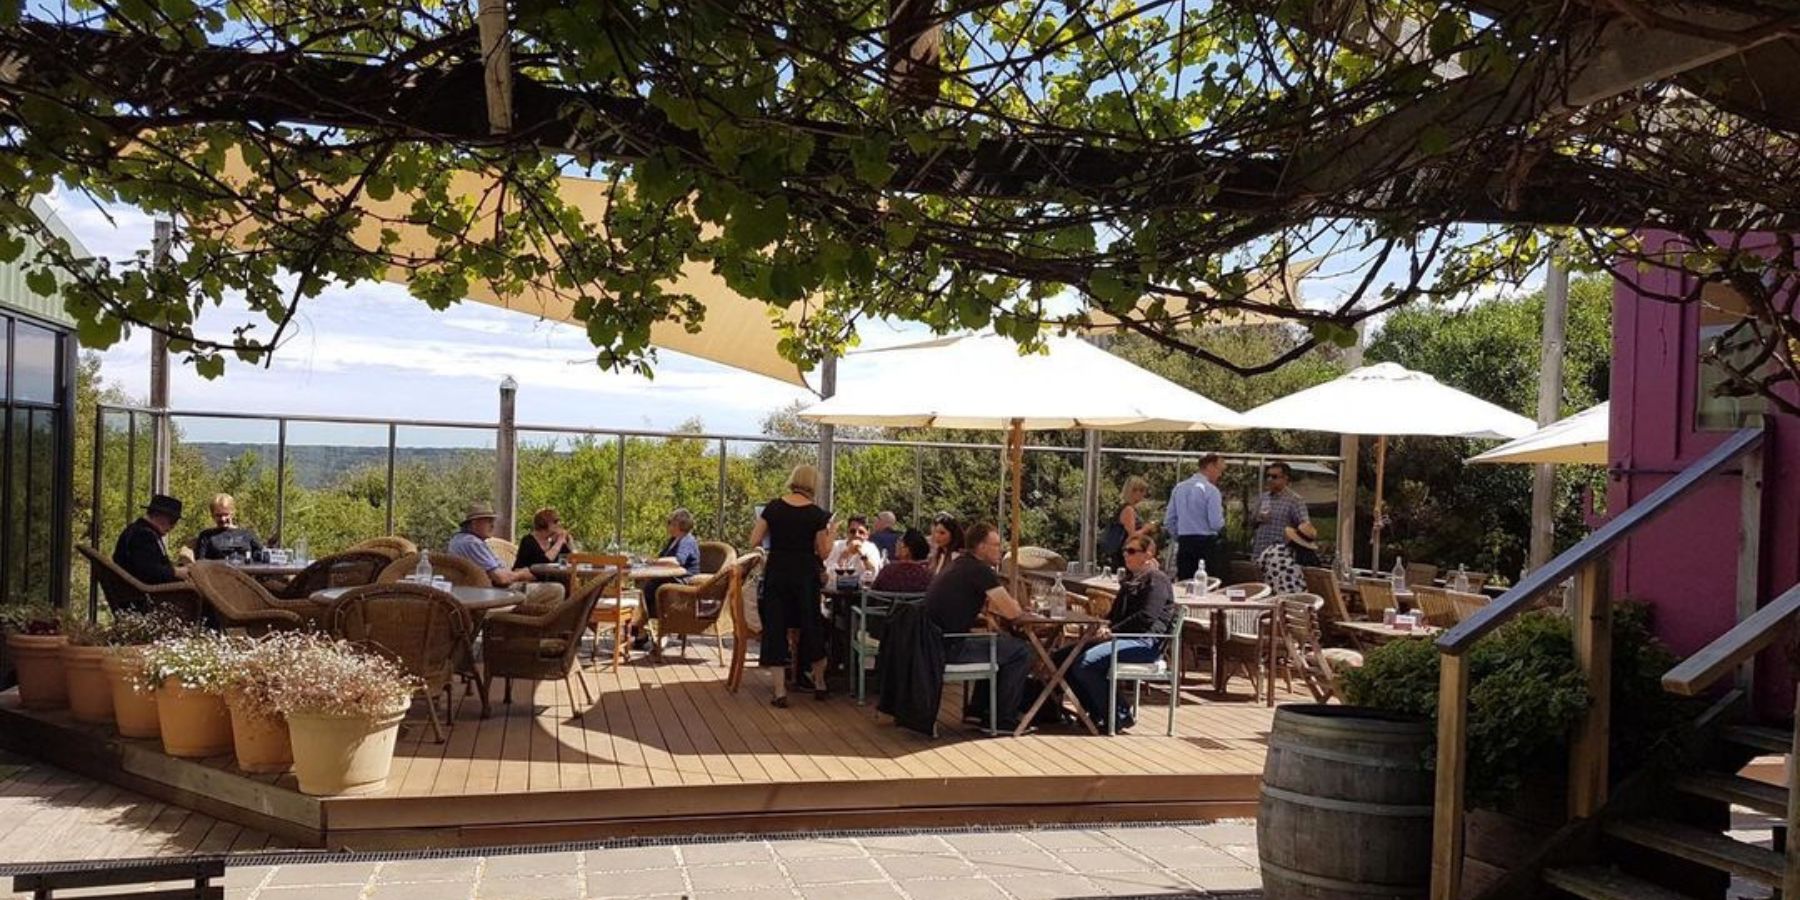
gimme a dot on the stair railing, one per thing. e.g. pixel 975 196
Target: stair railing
pixel 1591 611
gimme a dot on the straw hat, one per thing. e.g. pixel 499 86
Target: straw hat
pixel 479 510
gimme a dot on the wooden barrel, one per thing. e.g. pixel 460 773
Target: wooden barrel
pixel 1346 806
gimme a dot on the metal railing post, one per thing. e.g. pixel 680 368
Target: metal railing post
pixel 97 507
pixel 619 497
pixel 393 449
pixel 722 473
pixel 281 482
pixel 131 497
pixel 1090 497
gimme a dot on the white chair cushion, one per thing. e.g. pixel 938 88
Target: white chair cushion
pixel 1158 669
pixel 615 603
pixel 1338 657
pixel 974 668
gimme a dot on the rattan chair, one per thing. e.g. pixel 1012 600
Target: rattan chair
pixel 392 545
pixel 1435 603
pixel 238 601
pixel 1377 596
pixel 541 645
pixel 504 550
pixel 714 557
pixel 1303 648
pixel 454 569
pixel 1247 636
pixel 744 628
pixel 423 629
pixel 1421 574
pixel 124 593
pixel 690 609
pixel 352 568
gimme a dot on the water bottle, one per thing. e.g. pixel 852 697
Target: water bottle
pixel 422 571
pixel 1200 579
pixel 300 551
pixel 1461 582
pixel 1399 575
pixel 1059 597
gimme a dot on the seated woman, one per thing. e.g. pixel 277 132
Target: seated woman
pixel 226 538
pixel 907 572
pixel 681 550
pixel 1146 605
pixel 946 542
pixel 546 542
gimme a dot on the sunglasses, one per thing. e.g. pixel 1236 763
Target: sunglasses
pixel 1271 476
pixel 1133 551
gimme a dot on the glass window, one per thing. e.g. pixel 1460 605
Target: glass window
pixel 39 506
pixel 35 360
pixel 18 545
pixel 1724 336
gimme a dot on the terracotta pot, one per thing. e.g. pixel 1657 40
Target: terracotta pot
pixel 38 660
pixel 134 709
pixel 194 723
pixel 343 754
pixel 90 694
pixel 261 740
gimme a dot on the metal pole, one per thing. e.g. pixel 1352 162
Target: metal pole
pixel 1090 497
pixel 1550 390
pixel 281 482
pixel 720 534
pixel 919 511
pixel 827 434
pixel 619 498
pixel 161 436
pixel 506 460
pixel 1000 501
pixel 98 509
pixel 1349 448
pixel 131 497
pixel 393 452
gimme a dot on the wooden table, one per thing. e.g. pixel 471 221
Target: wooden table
pixel 1216 605
pixel 473 599
pixel 1377 633
pixel 1034 627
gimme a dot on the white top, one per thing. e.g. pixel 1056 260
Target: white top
pixel 867 561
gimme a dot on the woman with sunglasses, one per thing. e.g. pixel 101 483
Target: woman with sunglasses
pixel 1145 605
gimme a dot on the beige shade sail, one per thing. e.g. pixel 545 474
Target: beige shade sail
pixel 1276 287
pixel 736 331
pixel 1580 439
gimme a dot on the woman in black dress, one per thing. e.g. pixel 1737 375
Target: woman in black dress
pixel 799 535
pixel 546 542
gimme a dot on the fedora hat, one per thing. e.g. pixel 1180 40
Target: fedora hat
pixel 1294 536
pixel 165 505
pixel 479 511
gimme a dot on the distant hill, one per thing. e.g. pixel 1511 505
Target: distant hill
pixel 315 466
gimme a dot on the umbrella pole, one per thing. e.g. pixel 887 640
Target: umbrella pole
pixel 1016 458
pixel 1375 520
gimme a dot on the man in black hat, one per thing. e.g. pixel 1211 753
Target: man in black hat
pixel 140 549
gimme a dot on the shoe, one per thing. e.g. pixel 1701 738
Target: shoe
pixel 779 702
pixel 803 682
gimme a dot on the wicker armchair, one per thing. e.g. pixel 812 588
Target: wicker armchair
pixel 237 601
pixel 423 629
pixel 1247 636
pixel 744 629
pixel 352 568
pixel 690 609
pixel 125 593
pixel 504 550
pixel 454 569
pixel 393 546
pixel 541 645
pixel 714 557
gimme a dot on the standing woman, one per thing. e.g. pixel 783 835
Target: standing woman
pixel 1127 524
pixel 946 542
pixel 799 535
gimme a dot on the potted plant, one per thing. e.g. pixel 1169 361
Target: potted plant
pixel 188 674
pixel 90 694
pixel 34 640
pixel 122 662
pixel 258 729
pixel 343 707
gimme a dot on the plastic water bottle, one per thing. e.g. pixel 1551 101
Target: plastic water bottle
pixel 1399 574
pixel 1461 583
pixel 1059 597
pixel 422 571
pixel 1200 579
pixel 300 551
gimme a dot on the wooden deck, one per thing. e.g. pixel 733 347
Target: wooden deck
pixel 665 749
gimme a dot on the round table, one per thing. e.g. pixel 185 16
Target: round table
pixel 271 570
pixel 647 572
pixel 474 599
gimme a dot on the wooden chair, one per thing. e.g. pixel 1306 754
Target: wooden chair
pixel 238 601
pixel 714 557
pixel 1096 602
pixel 1421 574
pixel 352 568
pixel 1377 596
pixel 1467 604
pixel 1304 649
pixel 539 645
pixel 504 550
pixel 690 609
pixel 612 609
pixel 1323 584
pixel 124 592
pixel 393 545
pixel 1166 670
pixel 744 628
pixel 425 630
pixel 1435 603
pixel 454 569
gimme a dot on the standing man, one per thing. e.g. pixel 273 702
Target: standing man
pixel 1196 520
pixel 140 550
pixel 884 537
pixel 1280 517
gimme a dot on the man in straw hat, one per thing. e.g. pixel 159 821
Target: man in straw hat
pixel 140 549
pixel 470 543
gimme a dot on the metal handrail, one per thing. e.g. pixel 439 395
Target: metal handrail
pixel 1594 546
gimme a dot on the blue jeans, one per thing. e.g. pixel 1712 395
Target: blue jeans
pixel 1087 678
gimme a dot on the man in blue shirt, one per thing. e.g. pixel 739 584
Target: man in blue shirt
pixel 1196 520
pixel 470 543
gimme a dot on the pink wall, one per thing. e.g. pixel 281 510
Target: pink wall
pixel 1685 563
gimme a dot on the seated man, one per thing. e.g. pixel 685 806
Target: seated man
pixel 470 543
pixel 883 535
pixel 226 538
pixel 907 572
pixel 1146 605
pixel 855 554
pixel 140 549
pixel 966 588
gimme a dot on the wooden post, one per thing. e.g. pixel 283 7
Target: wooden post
pixel 1015 445
pixel 496 57
pixel 1593 653
pixel 1452 761
pixel 506 460
pixel 1550 390
pixel 1375 512
pixel 1349 447
pixel 162 437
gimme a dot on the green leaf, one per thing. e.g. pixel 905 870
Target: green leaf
pixel 1445 33
pixel 1434 140
pixel 758 222
pixel 41 282
pixel 209 367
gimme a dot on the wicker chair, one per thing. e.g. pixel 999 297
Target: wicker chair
pixel 714 557
pixel 541 645
pixel 1435 603
pixel 238 601
pixel 1238 571
pixel 1247 638
pixel 740 600
pixel 393 546
pixel 504 550
pixel 690 609
pixel 423 629
pixel 454 569
pixel 125 593
pixel 1304 649
pixel 1421 574
pixel 1377 596
pixel 613 609
pixel 352 568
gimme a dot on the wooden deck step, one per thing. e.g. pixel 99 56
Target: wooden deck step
pixel 1601 883
pixel 1746 792
pixel 1707 848
pixel 1761 737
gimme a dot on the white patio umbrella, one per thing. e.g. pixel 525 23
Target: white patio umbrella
pixel 982 382
pixel 1388 399
pixel 1579 439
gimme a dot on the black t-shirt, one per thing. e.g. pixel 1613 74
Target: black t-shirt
pixel 793 533
pixel 531 553
pixel 140 552
pixel 223 543
pixel 958 593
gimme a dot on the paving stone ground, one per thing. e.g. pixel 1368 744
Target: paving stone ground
pixel 1212 860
